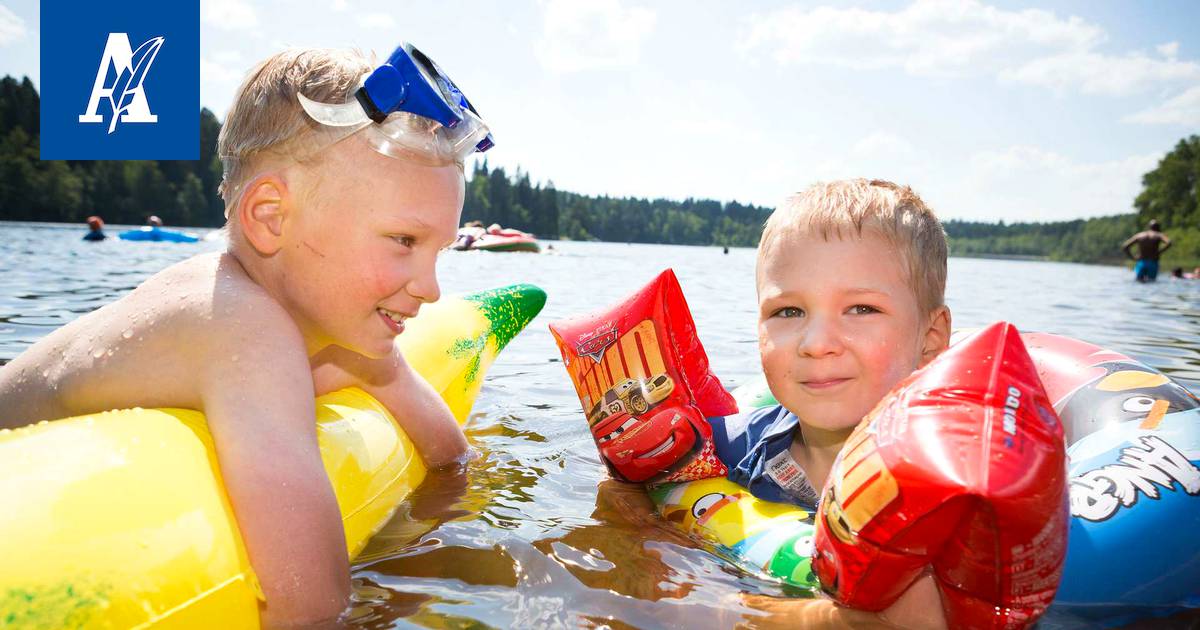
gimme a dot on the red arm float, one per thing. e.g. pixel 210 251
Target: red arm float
pixel 962 468
pixel 643 380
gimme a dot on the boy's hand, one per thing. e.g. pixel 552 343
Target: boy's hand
pixel 420 411
pixel 919 607
pixel 627 502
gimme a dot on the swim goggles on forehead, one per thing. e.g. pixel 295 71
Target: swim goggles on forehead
pixel 407 108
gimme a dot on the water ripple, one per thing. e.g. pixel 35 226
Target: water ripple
pixel 531 535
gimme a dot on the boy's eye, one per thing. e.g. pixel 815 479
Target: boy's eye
pixel 405 240
pixel 789 311
pixel 863 309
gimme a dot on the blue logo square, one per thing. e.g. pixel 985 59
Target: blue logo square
pixel 137 58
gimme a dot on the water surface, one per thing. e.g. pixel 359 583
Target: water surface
pixel 531 536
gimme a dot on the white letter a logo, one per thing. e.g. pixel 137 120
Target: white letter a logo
pixel 125 95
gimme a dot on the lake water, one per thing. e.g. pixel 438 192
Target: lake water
pixel 530 536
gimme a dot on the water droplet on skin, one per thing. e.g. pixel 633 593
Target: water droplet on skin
pixel 127 334
pixel 234 358
pixel 98 353
pixel 45 373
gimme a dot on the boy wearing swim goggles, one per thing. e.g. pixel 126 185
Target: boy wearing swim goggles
pixel 341 185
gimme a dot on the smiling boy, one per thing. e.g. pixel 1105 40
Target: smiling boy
pixel 336 218
pixel 850 277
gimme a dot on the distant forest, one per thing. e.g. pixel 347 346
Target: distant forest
pixel 1170 193
pixel 184 193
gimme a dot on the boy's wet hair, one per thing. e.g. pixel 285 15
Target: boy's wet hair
pixel 266 119
pixel 896 213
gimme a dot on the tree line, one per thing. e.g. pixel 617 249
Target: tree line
pixel 1170 193
pixel 185 193
pixel 182 192
pixel 493 196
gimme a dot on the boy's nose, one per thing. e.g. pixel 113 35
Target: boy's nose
pixel 819 339
pixel 424 285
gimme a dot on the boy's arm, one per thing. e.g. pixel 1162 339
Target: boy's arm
pixel 419 409
pixel 1166 244
pixel 919 608
pixel 263 425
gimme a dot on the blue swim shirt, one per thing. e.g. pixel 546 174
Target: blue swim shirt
pixel 754 446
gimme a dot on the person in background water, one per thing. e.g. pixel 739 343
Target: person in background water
pixel 1151 244
pixel 468 234
pixel 95 229
pixel 154 221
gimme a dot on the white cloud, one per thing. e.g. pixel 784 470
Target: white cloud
pixel 882 144
pixel 929 37
pixel 376 20
pixel 959 38
pixel 1031 183
pixel 582 35
pixel 227 55
pixel 1094 73
pixel 880 154
pixel 216 72
pixel 12 27
pixel 230 15
pixel 1183 109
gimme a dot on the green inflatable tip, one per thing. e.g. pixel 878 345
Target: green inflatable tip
pixel 658 494
pixel 509 309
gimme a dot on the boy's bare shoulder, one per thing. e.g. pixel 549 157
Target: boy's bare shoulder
pixel 204 307
pixel 195 323
pixel 226 305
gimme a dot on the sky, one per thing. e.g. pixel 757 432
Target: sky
pixel 989 110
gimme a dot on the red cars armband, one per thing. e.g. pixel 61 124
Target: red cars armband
pixel 646 405
pixel 962 468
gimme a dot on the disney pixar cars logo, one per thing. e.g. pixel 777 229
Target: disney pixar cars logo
pixel 594 344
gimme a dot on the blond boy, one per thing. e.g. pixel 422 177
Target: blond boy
pixel 850 276
pixel 332 245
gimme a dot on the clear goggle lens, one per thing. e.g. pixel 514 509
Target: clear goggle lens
pixel 409 136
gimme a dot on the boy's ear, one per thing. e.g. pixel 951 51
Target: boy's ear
pixel 937 335
pixel 261 213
